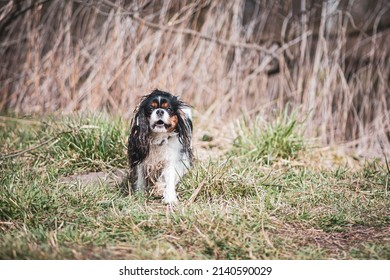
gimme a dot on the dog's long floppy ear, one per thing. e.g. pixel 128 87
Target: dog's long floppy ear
pixel 184 128
pixel 138 144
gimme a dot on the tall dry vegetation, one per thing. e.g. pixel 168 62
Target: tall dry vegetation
pixel 325 61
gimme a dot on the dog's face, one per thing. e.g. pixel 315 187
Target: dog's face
pixel 162 113
pixel 159 113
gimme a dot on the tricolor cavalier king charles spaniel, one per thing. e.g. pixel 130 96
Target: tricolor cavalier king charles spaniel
pixel 159 147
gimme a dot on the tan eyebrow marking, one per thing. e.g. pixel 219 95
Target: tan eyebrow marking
pixel 154 104
pixel 165 105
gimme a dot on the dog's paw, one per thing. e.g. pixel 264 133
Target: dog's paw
pixel 170 199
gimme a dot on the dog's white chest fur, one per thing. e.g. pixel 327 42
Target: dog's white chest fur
pixel 164 165
pixel 162 152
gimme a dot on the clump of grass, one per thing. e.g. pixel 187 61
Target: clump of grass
pixel 266 143
pixel 233 177
pixel 93 141
pixel 215 180
pixel 77 143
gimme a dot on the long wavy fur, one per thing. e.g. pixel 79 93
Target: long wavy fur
pixel 138 143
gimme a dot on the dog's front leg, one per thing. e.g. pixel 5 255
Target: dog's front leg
pixel 140 184
pixel 171 178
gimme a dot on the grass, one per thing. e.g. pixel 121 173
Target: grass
pixel 74 144
pixel 235 207
pixel 259 142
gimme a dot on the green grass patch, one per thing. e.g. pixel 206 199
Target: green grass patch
pixel 76 144
pixel 262 142
pixel 240 206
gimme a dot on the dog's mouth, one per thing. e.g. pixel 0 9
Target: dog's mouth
pixel 161 124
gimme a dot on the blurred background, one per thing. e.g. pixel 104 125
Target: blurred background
pixel 324 62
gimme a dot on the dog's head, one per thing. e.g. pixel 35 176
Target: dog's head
pixel 158 113
pixel 162 111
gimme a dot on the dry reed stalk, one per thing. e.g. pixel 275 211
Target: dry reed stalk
pixel 65 56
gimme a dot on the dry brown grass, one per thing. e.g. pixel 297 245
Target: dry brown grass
pixel 65 56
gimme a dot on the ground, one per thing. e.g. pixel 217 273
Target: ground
pixel 249 195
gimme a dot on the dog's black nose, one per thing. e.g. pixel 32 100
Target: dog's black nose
pixel 159 113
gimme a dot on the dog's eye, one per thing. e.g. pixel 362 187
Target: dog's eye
pixel 169 110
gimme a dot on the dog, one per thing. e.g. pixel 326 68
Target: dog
pixel 159 145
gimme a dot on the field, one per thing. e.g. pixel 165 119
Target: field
pixel 273 196
pixel 291 105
